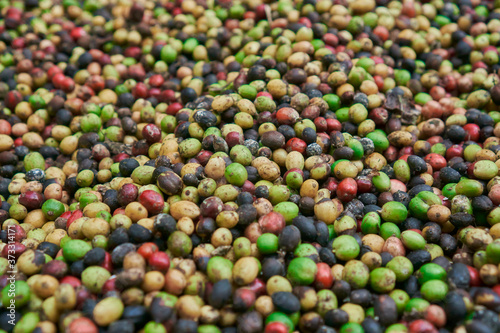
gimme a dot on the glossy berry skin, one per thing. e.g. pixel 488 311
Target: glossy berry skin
pixel 159 261
pixel 324 277
pixel 347 190
pixel 146 250
pixel 276 327
pixel 472 132
pixel 475 279
pixel 151 133
pixel 153 201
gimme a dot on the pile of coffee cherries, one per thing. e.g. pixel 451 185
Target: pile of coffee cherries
pixel 223 166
